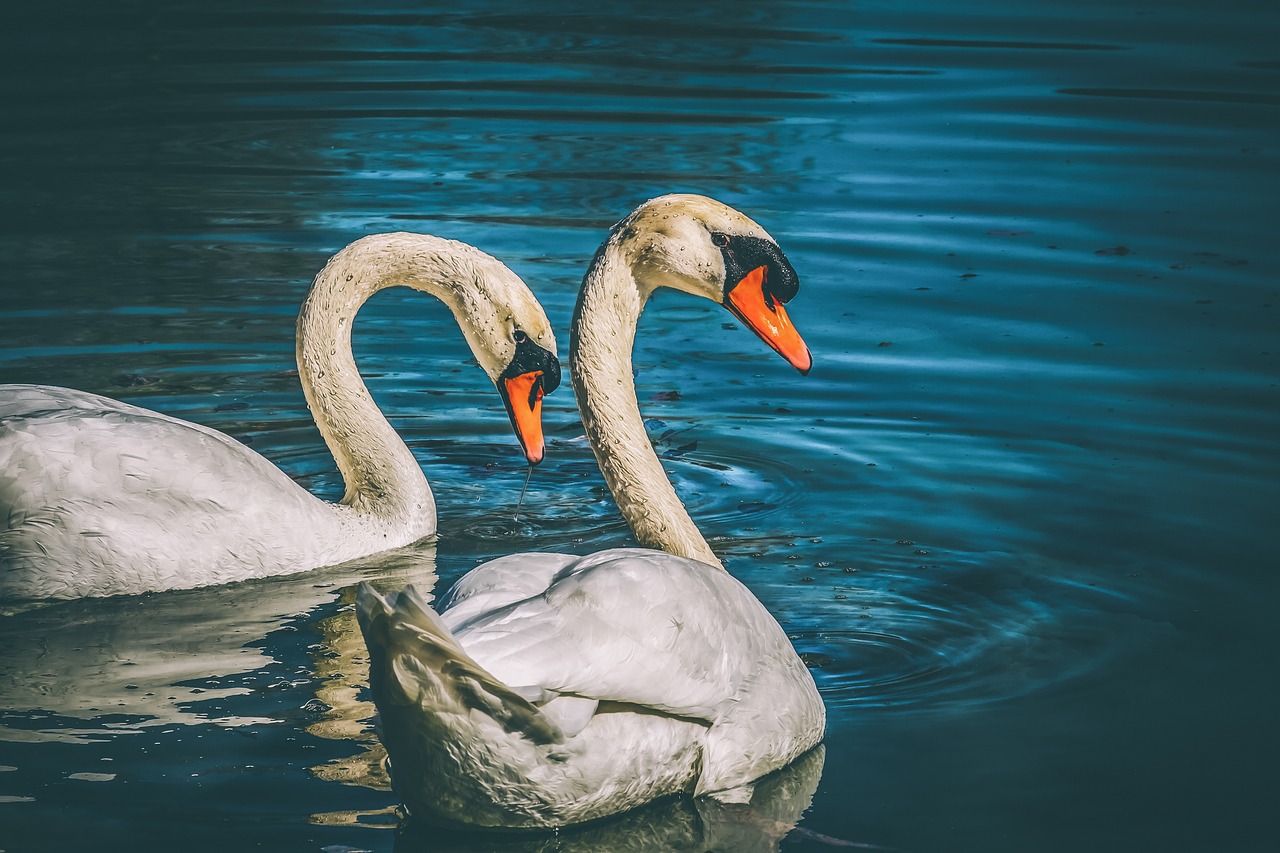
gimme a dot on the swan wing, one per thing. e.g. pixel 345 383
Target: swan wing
pixel 71 444
pixel 417 661
pixel 18 401
pixel 499 583
pixel 83 478
pixel 634 626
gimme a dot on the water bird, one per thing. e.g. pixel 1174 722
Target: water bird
pixel 552 689
pixel 99 497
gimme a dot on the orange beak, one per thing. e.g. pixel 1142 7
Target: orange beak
pixel 765 316
pixel 523 396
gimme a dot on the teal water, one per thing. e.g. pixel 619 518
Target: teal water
pixel 1021 518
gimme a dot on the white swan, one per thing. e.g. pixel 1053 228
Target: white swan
pixel 98 497
pixel 553 689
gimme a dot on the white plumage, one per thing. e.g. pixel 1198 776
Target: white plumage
pixel 99 497
pixel 553 689
pixel 628 675
pixel 103 497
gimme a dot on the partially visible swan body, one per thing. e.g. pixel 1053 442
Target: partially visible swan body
pixel 553 689
pixel 99 497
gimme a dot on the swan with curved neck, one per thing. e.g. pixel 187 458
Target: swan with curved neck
pixel 552 689
pixel 99 497
pixel 738 266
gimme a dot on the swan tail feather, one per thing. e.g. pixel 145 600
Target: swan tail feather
pixel 416 660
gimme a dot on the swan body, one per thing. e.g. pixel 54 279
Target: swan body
pixel 99 497
pixel 552 689
pixel 638 693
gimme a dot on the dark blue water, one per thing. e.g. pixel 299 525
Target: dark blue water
pixel 1021 519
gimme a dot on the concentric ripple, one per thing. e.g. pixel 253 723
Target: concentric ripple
pixel 955 633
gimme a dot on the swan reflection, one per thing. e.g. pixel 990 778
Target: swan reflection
pixel 702 824
pixel 341 666
pixel 133 662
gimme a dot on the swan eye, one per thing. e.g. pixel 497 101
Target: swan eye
pixel 719 240
pixel 519 336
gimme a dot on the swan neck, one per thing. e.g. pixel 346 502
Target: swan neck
pixel 383 480
pixel 600 361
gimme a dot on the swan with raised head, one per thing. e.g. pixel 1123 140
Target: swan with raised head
pixel 99 497
pixel 552 689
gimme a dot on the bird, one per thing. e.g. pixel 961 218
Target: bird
pixel 552 689
pixel 99 497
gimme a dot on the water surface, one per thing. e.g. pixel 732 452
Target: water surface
pixel 1020 519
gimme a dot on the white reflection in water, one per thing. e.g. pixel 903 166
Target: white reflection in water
pixel 704 824
pixel 134 662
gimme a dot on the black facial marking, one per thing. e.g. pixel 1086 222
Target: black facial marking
pixel 743 254
pixel 530 357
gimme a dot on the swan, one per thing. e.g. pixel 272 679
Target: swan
pixel 99 497
pixel 552 689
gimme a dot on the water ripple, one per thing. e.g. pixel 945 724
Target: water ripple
pixel 988 44
pixel 956 633
pixel 1253 98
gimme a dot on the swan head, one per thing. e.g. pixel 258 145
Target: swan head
pixel 511 338
pixel 501 320
pixel 706 248
pixel 503 323
pixel 532 372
